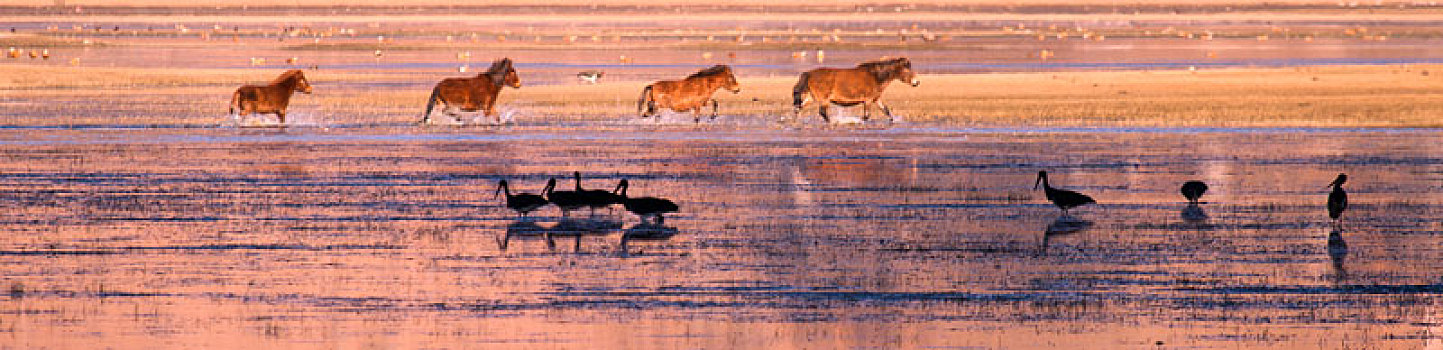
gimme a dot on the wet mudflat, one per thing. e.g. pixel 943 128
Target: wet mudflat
pixel 832 238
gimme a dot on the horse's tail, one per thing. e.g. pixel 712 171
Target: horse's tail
pixel 431 103
pixel 235 100
pixel 799 90
pixel 641 102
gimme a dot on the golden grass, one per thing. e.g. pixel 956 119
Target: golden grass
pixel 1363 96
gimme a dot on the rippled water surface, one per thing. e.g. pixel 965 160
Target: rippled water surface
pixel 919 238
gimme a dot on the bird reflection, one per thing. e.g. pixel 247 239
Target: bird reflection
pixel 1338 252
pixel 566 227
pixel 1064 225
pixel 646 231
pixel 1194 214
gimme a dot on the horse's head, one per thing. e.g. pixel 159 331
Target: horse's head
pixel 731 83
pixel 898 68
pixel 503 73
pixel 302 85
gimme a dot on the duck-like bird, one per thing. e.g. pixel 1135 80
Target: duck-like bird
pixel 596 199
pixel 1063 199
pixel 1338 200
pixel 645 206
pixel 590 77
pixel 1192 190
pixel 522 203
pixel 565 200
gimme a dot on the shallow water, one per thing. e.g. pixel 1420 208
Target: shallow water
pixel 389 237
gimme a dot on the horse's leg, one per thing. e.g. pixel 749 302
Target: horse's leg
pixel 887 111
pixel 866 111
pixel 696 113
pixel 714 109
pixel 822 110
pixel 281 115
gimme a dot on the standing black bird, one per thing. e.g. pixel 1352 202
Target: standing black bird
pixel 646 206
pixel 565 200
pixel 1338 200
pixel 596 199
pixel 522 203
pixel 1193 190
pixel 1061 198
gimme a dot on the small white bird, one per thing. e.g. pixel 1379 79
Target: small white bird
pixel 463 68
pixel 591 76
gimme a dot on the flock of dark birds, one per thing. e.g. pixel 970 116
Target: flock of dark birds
pixel 567 201
pixel 1192 190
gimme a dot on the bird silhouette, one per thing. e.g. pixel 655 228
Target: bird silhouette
pixel 1338 200
pixel 564 200
pixel 645 206
pixel 1063 199
pixel 596 199
pixel 1192 190
pixel 522 203
pixel 590 77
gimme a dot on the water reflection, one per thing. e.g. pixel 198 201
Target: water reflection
pixel 1064 225
pixel 1338 252
pixel 574 228
pixel 646 231
pixel 1194 214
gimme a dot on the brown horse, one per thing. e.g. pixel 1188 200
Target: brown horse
pixel 272 98
pixel 691 93
pixel 851 86
pixel 473 94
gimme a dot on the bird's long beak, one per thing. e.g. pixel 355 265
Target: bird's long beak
pixel 498 192
pixel 1036 184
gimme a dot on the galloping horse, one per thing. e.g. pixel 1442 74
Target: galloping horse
pixel 851 86
pixel 272 98
pixel 691 93
pixel 473 94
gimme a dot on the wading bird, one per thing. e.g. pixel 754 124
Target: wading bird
pixel 522 203
pixel 564 200
pixel 1063 199
pixel 1192 190
pixel 1338 200
pixel 596 199
pixel 645 206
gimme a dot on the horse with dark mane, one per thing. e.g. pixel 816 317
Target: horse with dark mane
pixel 847 87
pixel 272 98
pixel 689 94
pixel 473 94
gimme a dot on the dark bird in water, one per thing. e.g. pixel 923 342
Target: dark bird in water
pixel 1193 190
pixel 565 200
pixel 1063 199
pixel 522 203
pixel 596 199
pixel 645 206
pixel 1338 200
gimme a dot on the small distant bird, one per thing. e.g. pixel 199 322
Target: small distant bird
pixel 463 68
pixel 293 60
pixel 590 77
pixel 645 206
pixel 256 61
pixel 1338 200
pixel 522 203
pixel 45 54
pixel 34 54
pixel 1192 190
pixel 1063 199
pixel 377 53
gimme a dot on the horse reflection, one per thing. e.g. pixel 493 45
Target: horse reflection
pixel 1064 225
pixel 646 231
pixel 1338 252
